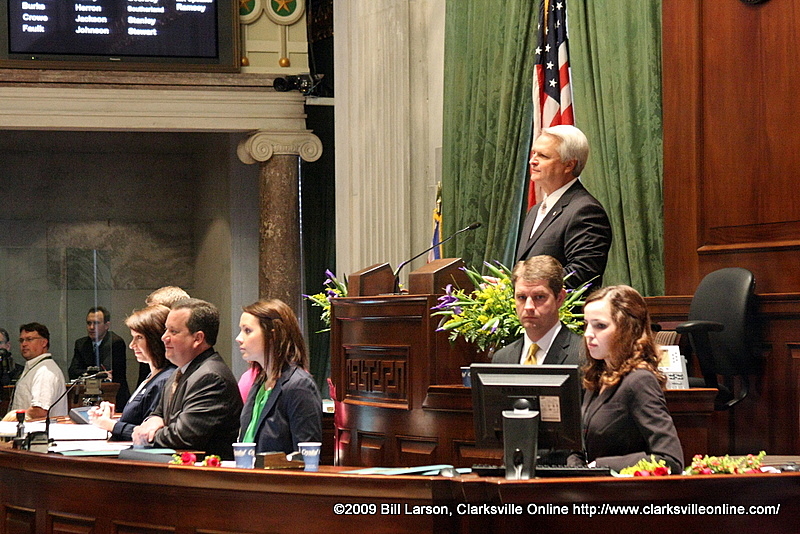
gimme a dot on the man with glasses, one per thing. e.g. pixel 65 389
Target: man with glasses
pixel 42 381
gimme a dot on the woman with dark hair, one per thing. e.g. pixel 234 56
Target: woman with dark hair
pixel 283 407
pixel 625 416
pixel 147 327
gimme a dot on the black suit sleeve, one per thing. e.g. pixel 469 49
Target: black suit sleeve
pixel 586 245
pixel 77 367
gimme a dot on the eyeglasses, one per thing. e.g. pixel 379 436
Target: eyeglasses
pixel 28 339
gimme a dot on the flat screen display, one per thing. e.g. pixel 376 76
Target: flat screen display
pixel 199 32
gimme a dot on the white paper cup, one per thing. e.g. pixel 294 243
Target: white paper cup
pixel 310 451
pixel 244 454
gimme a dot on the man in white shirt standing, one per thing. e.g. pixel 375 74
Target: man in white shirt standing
pixel 42 381
pixel 569 223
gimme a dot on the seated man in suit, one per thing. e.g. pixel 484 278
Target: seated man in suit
pixel 538 295
pixel 104 349
pixel 569 223
pixel 200 405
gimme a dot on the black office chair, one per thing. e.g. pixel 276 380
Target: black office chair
pixel 722 335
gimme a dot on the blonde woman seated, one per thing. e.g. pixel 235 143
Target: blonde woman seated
pixel 147 327
pixel 625 416
pixel 283 406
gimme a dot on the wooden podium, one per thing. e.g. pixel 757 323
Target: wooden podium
pixel 385 356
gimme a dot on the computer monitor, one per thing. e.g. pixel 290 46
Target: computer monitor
pixel 552 390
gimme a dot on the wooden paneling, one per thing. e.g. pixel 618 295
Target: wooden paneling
pixel 769 417
pixel 731 132
pixel 18 520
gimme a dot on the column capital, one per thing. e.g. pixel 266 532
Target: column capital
pixel 263 144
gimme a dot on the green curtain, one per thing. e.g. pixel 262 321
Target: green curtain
pixel 487 123
pixel 615 55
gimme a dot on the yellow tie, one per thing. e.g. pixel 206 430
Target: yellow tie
pixel 531 358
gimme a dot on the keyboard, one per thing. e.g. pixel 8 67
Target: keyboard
pixel 545 471
pixel 570 471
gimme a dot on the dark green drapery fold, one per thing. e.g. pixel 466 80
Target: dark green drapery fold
pixel 487 103
pixel 615 54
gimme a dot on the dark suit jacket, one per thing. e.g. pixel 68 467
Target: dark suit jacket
pixel 293 413
pixel 628 422
pixel 113 355
pixel 140 405
pixel 576 232
pixel 565 350
pixel 203 414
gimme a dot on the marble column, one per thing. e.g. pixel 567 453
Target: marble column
pixel 278 154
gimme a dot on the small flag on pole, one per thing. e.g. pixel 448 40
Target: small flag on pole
pixel 436 252
pixel 552 87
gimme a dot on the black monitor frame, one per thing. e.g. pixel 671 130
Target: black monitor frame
pixel 228 51
pixel 495 388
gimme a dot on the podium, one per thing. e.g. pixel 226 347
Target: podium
pixel 387 359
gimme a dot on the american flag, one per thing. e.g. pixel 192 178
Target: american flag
pixel 552 90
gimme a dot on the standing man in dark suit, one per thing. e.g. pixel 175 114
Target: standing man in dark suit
pixel 200 405
pixel 538 295
pixel 104 349
pixel 569 223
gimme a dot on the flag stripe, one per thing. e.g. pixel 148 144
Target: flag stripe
pixel 552 88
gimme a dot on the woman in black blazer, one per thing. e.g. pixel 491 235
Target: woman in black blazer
pixel 147 327
pixel 284 406
pixel 625 416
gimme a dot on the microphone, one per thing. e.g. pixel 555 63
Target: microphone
pixel 72 384
pixel 472 226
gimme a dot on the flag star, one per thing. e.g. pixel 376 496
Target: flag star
pixel 558 24
pixel 559 5
pixel 553 83
pixel 538 50
pixel 547 48
pixel 549 64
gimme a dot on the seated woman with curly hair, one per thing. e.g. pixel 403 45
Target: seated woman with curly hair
pixel 625 416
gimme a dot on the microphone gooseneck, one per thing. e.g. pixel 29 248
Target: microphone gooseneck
pixel 472 226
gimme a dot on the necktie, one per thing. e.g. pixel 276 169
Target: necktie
pixel 531 358
pixel 178 376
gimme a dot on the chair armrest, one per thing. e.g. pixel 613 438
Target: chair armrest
pixel 694 327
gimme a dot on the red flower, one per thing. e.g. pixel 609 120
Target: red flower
pixel 642 474
pixel 212 461
pixel 706 471
pixel 188 458
pixel 661 471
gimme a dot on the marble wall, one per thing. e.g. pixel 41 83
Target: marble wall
pixel 106 217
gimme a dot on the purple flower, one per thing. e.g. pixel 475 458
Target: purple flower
pixel 330 292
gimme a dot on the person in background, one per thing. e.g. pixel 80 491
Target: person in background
pixel 104 349
pixel 41 386
pixel 284 406
pixel 10 371
pixel 201 405
pixel 538 295
pixel 147 327
pixel 624 412
pixel 569 223
pixel 166 296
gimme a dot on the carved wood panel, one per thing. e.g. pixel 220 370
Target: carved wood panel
pixel 19 520
pixel 377 373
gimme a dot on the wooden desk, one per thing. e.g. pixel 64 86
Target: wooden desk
pixel 48 493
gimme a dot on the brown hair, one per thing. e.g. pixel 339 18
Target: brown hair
pixel 150 322
pixel 634 346
pixel 283 341
pixel 167 295
pixel 545 268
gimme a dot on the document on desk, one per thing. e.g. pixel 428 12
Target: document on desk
pixel 67 431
